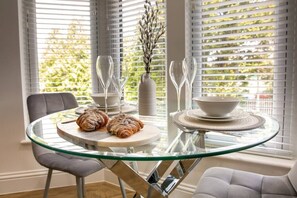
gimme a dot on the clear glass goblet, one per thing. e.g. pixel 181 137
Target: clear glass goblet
pixel 192 68
pixel 178 73
pixel 119 80
pixel 104 69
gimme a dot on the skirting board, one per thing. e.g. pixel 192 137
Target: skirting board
pixel 23 181
pixel 184 190
pixel 13 182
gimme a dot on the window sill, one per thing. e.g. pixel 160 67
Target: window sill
pixel 25 141
pixel 258 160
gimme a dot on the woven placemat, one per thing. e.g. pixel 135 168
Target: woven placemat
pixel 249 122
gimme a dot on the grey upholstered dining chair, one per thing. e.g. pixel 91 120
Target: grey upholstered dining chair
pixel 46 103
pixel 228 183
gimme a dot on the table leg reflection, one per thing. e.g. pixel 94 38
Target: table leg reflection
pixel 201 140
pixel 189 142
pixel 153 186
pixel 194 141
pixel 164 177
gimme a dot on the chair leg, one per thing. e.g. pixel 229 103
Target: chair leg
pixel 47 184
pixel 83 186
pixel 122 188
pixel 79 188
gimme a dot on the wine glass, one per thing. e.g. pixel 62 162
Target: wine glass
pixel 119 81
pixel 192 71
pixel 104 69
pixel 178 73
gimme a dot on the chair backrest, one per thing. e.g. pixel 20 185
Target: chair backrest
pixel 42 104
pixel 293 176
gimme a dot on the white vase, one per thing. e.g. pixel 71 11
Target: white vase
pixel 147 96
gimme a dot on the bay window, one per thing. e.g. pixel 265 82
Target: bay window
pixel 59 46
pixel 246 49
pixel 123 17
pixel 64 37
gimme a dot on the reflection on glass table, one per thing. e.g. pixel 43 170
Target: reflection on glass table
pixel 185 150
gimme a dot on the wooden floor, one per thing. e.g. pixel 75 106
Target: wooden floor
pixel 95 190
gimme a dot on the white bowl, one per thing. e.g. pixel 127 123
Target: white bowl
pixel 99 98
pixel 216 106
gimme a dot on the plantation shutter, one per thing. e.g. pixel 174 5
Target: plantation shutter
pixel 247 49
pixel 59 40
pixel 123 17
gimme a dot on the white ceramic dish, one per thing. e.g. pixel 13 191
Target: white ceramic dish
pixel 216 106
pixel 113 106
pixel 201 114
pixel 198 114
pixel 99 98
pixel 101 138
pixel 250 122
pixel 127 108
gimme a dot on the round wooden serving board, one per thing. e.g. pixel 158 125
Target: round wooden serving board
pixel 101 138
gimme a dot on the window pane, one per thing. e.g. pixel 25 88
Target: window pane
pixel 242 48
pixel 61 33
pixel 125 46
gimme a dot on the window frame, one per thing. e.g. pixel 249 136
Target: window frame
pixel 30 38
pixel 292 111
pixel 177 21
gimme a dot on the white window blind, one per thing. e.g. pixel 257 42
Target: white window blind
pixel 245 48
pixel 123 17
pixel 59 40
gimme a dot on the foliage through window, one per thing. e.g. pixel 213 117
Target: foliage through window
pixel 243 49
pixel 59 46
pixel 63 37
pixel 123 20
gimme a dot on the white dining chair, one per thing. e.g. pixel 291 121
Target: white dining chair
pixel 46 103
pixel 220 182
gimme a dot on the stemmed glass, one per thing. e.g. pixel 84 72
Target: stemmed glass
pixel 104 69
pixel 119 81
pixel 178 73
pixel 192 71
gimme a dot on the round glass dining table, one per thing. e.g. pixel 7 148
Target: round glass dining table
pixel 177 151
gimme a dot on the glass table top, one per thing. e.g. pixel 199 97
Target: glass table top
pixel 171 144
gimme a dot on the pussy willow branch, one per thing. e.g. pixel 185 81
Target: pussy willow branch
pixel 151 29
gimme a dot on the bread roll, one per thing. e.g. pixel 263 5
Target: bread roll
pixel 124 125
pixel 92 119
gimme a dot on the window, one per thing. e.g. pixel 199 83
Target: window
pixel 64 38
pixel 123 19
pixel 59 41
pixel 245 49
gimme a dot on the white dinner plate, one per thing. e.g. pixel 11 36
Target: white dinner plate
pixel 250 122
pixel 197 114
pixel 202 114
pixel 126 108
pixel 114 106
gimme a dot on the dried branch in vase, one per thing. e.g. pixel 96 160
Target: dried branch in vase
pixel 151 29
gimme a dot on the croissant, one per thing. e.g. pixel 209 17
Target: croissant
pixel 124 125
pixel 92 119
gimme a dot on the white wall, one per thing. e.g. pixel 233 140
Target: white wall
pixel 14 156
pixel 19 170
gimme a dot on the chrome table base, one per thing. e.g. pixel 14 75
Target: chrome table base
pixel 157 184
pixel 153 186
